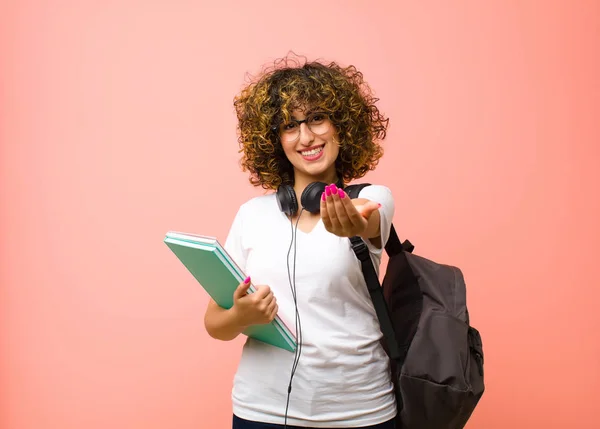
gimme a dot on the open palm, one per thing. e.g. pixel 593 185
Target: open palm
pixel 342 216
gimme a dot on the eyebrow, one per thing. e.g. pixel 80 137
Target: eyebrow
pixel 308 113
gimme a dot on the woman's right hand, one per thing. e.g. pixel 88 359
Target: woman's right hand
pixel 257 308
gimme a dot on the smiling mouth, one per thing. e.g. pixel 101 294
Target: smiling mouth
pixel 312 152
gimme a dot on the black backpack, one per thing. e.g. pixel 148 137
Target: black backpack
pixel 436 356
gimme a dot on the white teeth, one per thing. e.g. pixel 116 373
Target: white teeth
pixel 312 152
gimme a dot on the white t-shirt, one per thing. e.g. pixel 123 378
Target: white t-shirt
pixel 342 378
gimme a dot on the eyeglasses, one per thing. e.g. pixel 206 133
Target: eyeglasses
pixel 317 122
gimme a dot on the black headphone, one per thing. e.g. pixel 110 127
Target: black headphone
pixel 310 198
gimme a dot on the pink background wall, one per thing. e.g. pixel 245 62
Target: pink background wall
pixel 116 125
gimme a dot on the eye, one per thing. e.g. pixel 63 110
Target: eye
pixel 290 126
pixel 317 118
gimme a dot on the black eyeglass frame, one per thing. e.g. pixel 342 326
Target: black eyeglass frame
pixel 275 128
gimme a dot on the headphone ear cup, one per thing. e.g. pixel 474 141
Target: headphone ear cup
pixel 286 200
pixel 311 197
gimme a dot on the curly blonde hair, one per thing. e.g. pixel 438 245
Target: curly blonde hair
pixel 287 85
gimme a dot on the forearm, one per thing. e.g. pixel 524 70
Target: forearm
pixel 222 324
pixel 373 229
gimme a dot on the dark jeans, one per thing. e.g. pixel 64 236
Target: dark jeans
pixel 239 423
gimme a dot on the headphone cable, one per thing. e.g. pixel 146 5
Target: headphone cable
pixel 298 325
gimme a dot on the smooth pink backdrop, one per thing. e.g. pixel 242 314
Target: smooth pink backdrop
pixel 116 125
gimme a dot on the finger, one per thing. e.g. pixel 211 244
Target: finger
pixel 325 213
pixel 354 216
pixel 266 305
pixel 333 219
pixel 268 299
pixel 242 288
pixel 367 209
pixel 273 312
pixel 340 209
pixel 262 292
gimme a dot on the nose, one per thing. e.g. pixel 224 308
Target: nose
pixel 306 135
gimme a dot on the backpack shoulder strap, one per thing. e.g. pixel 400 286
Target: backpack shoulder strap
pixel 376 292
pixel 354 190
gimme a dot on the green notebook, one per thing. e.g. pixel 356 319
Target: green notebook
pixel 218 274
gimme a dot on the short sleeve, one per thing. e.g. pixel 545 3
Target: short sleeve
pixel 234 244
pixel 382 195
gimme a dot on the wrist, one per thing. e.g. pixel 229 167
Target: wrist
pixel 236 318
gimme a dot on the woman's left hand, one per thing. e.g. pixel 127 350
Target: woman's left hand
pixel 342 216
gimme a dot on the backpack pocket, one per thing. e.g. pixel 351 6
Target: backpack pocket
pixel 435 382
pixel 440 350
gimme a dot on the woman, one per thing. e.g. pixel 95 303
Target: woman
pixel 300 124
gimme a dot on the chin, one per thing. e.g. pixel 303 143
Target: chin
pixel 316 170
